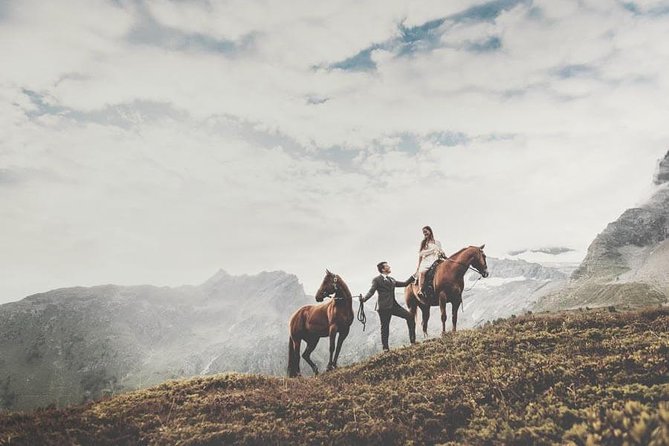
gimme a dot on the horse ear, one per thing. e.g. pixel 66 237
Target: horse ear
pixel 327 271
pixel 482 246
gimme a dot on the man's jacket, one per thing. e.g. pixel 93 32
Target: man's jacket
pixel 386 289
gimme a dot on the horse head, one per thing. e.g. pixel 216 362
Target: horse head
pixel 479 262
pixel 328 287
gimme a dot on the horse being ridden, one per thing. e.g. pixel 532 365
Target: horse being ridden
pixel 312 322
pixel 448 283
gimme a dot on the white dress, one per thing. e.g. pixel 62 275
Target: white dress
pixel 430 255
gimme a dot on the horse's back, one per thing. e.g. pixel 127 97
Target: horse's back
pixel 307 315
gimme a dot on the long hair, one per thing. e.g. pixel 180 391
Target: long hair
pixel 428 239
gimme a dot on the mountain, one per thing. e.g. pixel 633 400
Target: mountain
pixel 74 344
pixel 513 288
pixel 628 262
pixel 583 377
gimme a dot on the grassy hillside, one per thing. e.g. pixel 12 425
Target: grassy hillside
pixel 593 293
pixel 584 377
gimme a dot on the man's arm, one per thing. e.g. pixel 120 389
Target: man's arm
pixel 407 282
pixel 371 291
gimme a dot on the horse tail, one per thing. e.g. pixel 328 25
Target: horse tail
pixel 291 357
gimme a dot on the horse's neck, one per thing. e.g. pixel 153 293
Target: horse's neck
pixel 464 258
pixel 344 292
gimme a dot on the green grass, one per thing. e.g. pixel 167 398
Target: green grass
pixel 583 377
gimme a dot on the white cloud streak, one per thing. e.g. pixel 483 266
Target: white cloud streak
pixel 222 140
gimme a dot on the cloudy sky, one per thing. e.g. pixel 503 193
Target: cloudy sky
pixel 157 141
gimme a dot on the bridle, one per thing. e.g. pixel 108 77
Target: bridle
pixel 484 274
pixel 336 287
pixel 481 274
pixel 361 309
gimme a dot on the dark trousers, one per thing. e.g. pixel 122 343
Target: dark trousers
pixel 398 311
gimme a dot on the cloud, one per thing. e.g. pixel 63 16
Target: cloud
pixel 158 141
pixel 148 31
pixel 426 37
pixel 648 7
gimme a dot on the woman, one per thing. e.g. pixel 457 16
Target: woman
pixel 430 250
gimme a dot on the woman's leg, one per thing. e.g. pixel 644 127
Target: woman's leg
pixel 421 280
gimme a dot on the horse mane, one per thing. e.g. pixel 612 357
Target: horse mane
pixel 463 249
pixel 460 252
pixel 344 287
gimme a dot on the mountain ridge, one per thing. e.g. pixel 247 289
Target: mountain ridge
pixel 73 344
pixel 584 377
pixel 626 263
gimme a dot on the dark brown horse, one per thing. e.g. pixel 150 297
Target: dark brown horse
pixel 312 322
pixel 448 284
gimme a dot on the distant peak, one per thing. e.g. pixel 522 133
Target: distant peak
pixel 221 274
pixel 662 173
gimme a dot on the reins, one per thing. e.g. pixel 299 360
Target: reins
pixel 468 289
pixel 464 264
pixel 361 314
pixel 468 267
pixel 361 309
pixel 336 289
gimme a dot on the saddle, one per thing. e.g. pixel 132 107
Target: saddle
pixel 428 284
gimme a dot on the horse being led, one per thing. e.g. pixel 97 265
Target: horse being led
pixel 312 322
pixel 448 284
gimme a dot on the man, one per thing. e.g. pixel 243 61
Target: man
pixel 386 305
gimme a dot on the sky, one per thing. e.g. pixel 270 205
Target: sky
pixel 158 141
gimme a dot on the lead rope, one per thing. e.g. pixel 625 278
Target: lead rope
pixel 361 314
pixel 468 289
pixel 468 267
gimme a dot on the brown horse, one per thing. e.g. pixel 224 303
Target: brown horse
pixel 312 322
pixel 448 284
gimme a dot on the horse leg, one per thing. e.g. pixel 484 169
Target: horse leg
pixel 455 305
pixel 442 307
pixel 412 305
pixel 311 345
pixel 294 357
pixel 333 336
pixel 340 340
pixel 425 311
